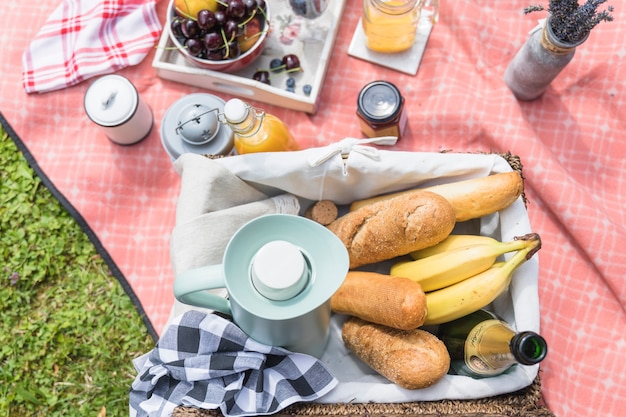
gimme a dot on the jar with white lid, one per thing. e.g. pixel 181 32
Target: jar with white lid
pixel 113 103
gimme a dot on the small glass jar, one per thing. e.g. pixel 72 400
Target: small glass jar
pixel 380 108
pixel 390 25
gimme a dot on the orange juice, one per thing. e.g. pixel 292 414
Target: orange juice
pixel 257 131
pixel 390 25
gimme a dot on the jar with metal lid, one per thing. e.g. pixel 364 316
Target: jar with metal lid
pixel 380 108
pixel 390 25
pixel 191 125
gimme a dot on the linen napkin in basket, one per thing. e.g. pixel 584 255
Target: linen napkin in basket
pixel 85 38
pixel 205 361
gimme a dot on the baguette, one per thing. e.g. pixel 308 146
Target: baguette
pixel 392 301
pixel 471 198
pixel 413 359
pixel 393 227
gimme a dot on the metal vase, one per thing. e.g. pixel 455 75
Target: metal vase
pixel 538 62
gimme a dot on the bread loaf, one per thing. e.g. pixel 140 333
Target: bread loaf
pixel 471 198
pixel 391 301
pixel 412 359
pixel 394 227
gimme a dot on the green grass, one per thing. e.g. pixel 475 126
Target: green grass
pixel 69 331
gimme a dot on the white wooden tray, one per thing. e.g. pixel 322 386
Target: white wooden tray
pixel 311 40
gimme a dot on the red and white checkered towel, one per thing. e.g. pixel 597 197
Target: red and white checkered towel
pixel 85 38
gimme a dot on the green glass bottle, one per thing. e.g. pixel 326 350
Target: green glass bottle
pixel 481 345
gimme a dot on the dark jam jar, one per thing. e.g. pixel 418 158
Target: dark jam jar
pixel 380 108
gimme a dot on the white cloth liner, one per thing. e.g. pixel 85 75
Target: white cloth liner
pixel 235 189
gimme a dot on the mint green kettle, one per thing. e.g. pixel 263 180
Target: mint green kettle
pixel 280 271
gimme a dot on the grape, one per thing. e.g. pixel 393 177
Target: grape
pixel 262 76
pixel 212 41
pixel 206 19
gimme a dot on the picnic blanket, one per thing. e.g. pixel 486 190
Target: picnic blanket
pixel 571 142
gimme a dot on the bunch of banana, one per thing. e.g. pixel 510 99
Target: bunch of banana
pixel 462 275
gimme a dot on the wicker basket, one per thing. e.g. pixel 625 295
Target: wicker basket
pixel 526 402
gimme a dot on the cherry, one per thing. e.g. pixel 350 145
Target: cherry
pixel 261 4
pixel 236 9
pixel 176 26
pixel 215 55
pixel 220 16
pixel 231 29
pixel 206 19
pixel 288 63
pixel 194 46
pixel 291 62
pixel 212 41
pixel 250 6
pixel 233 50
pixel 190 28
pixel 262 76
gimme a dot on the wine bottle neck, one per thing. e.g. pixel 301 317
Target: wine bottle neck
pixel 528 348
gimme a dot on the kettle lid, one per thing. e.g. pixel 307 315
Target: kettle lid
pixel 324 254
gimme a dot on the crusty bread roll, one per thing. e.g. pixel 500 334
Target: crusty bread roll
pixel 413 359
pixel 471 198
pixel 394 227
pixel 392 301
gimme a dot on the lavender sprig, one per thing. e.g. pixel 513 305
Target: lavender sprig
pixel 572 23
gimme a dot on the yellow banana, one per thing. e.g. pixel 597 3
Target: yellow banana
pixel 448 268
pixel 451 242
pixel 477 292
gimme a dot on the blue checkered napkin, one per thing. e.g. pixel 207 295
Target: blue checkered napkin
pixel 205 361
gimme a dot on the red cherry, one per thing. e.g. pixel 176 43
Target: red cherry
pixel 291 62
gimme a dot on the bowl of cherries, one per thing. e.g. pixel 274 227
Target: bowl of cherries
pixel 219 35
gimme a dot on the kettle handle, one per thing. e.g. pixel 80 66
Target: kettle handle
pixel 190 288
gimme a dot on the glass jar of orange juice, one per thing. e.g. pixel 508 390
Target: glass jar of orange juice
pixel 390 25
pixel 255 130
